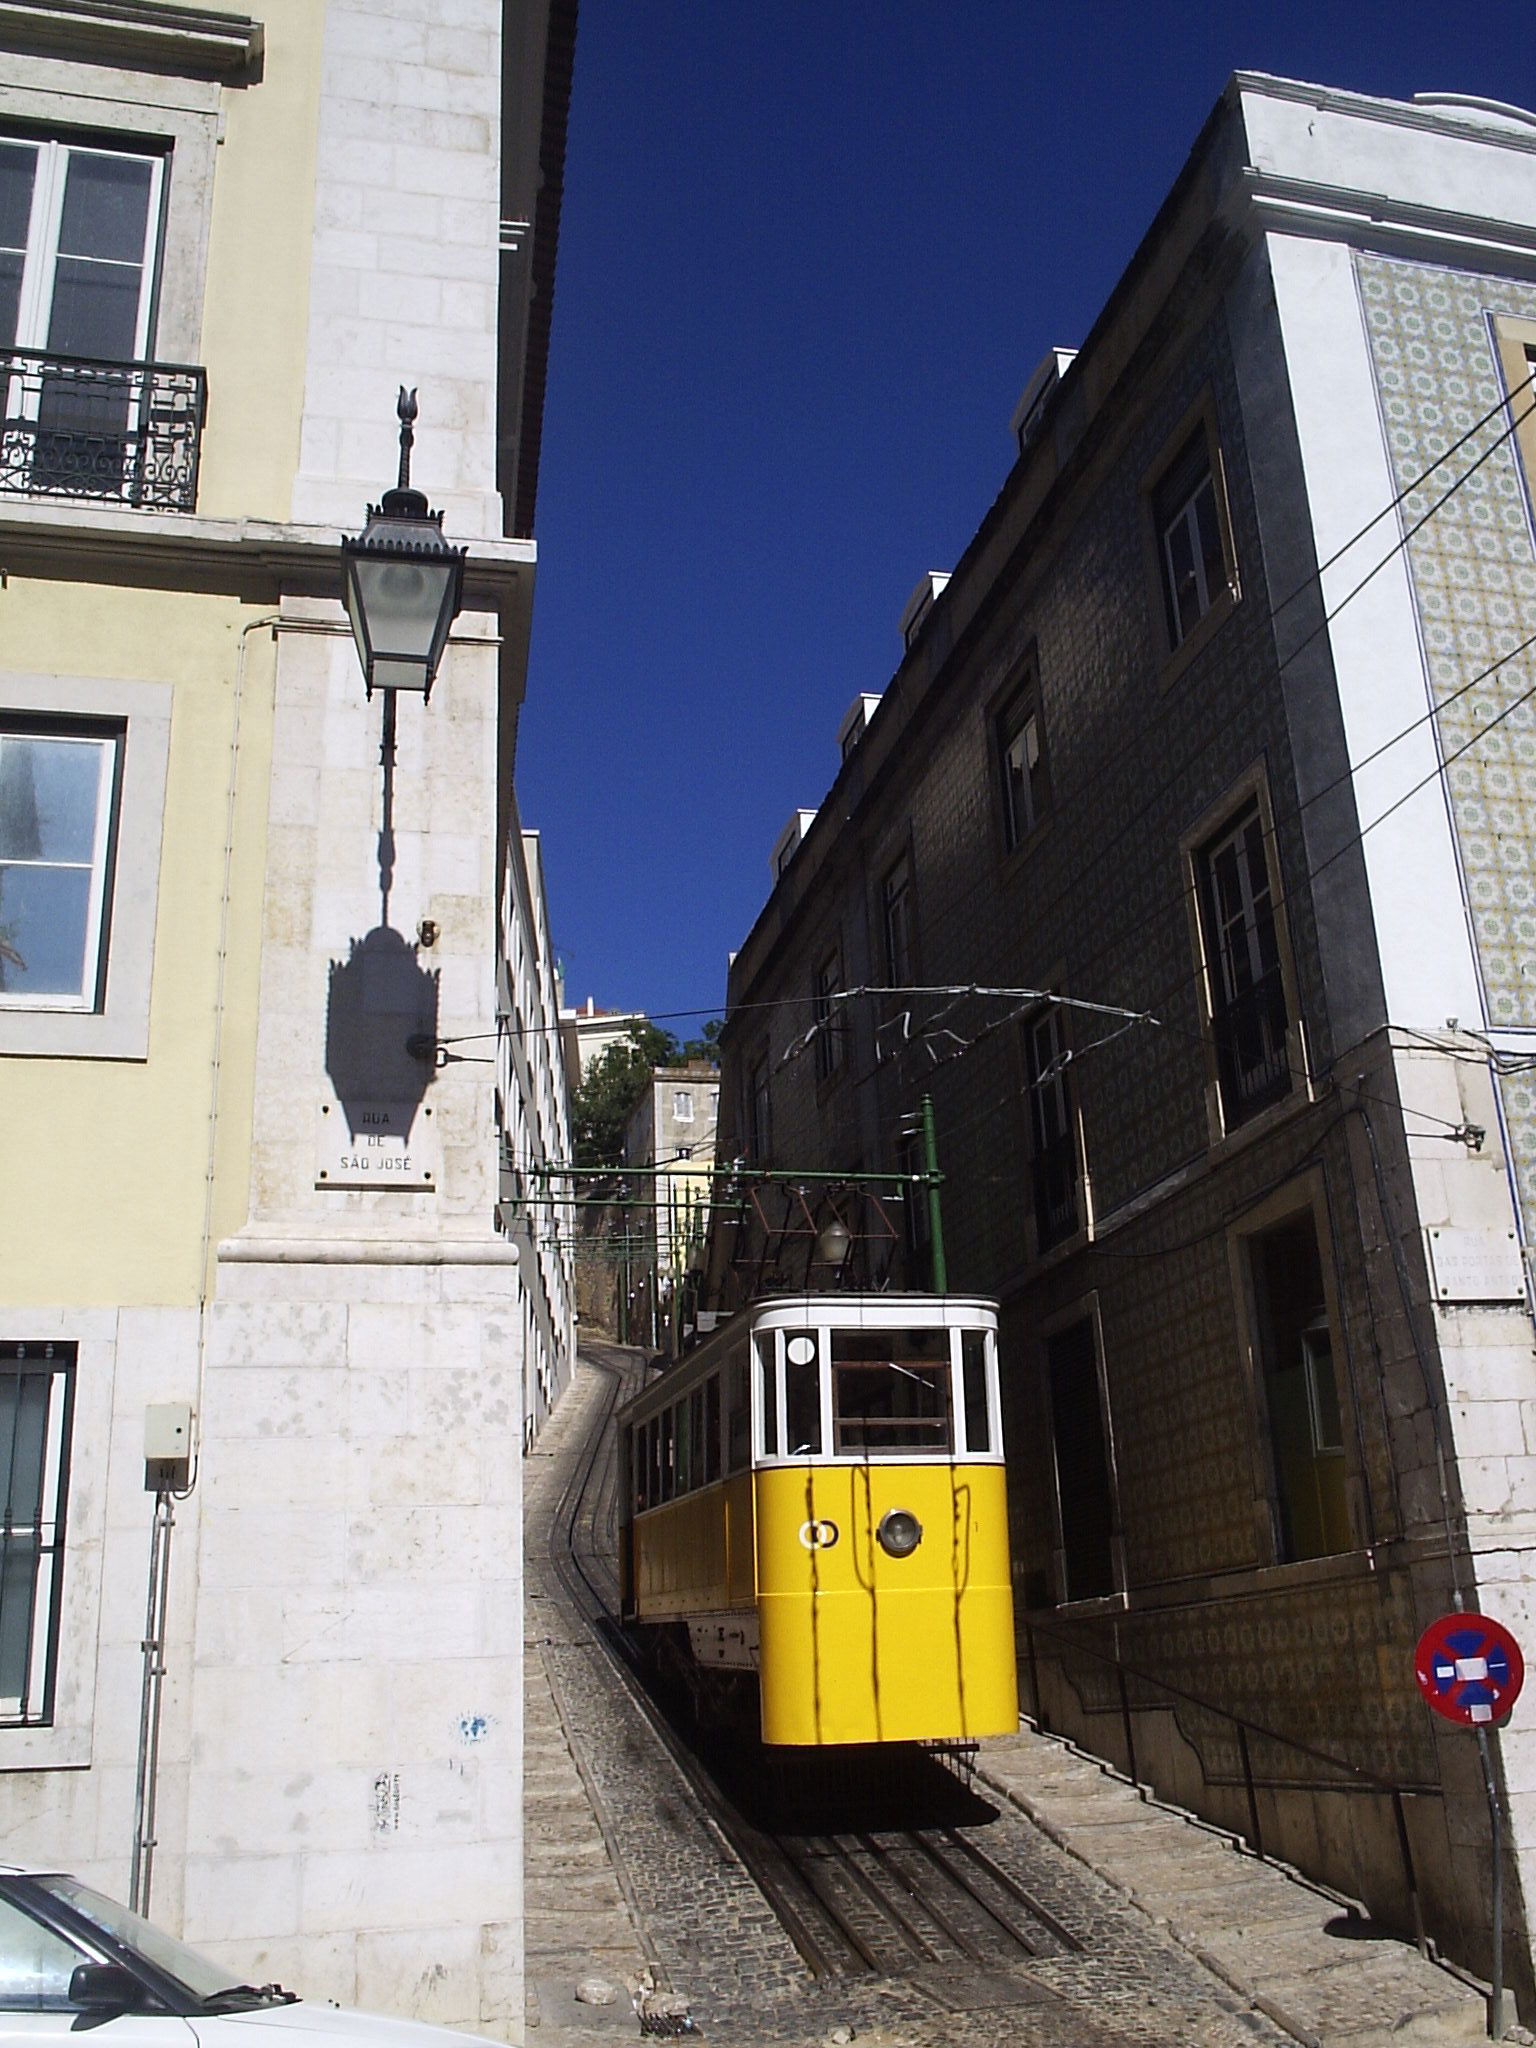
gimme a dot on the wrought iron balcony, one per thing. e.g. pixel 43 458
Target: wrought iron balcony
pixel 122 433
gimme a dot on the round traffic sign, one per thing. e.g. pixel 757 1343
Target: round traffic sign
pixel 1469 1668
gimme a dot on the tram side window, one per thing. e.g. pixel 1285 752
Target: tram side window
pixel 891 1393
pixel 802 1396
pixel 650 1464
pixel 668 1453
pixel 682 1424
pixel 738 1414
pixel 696 1439
pixel 973 1365
pixel 768 1380
pixel 712 1429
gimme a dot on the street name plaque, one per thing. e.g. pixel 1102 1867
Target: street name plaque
pixel 378 1145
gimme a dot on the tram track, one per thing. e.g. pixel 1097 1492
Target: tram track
pixel 858 1894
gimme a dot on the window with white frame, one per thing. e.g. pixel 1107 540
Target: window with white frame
pixel 77 240
pixel 36 1399
pixel 78 232
pixel 1244 975
pixel 58 788
pixel 1192 560
pixel 682 1105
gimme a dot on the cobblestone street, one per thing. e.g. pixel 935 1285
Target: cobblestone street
pixel 1179 1940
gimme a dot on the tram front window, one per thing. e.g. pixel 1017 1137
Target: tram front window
pixel 890 1393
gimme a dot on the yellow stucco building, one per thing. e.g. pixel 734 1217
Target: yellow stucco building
pixel 246 1196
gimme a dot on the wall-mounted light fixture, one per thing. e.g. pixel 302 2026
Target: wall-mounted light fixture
pixel 401 581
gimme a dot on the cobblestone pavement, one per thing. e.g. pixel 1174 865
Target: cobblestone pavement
pixel 1186 1941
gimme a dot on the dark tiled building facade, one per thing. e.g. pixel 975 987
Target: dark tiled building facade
pixel 1198 745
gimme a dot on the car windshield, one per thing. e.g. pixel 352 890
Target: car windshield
pixel 201 1977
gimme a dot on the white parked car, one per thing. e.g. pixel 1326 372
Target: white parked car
pixel 72 1960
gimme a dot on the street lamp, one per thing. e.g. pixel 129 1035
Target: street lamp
pixel 402 582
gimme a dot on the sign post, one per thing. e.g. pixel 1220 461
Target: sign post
pixel 1470 1670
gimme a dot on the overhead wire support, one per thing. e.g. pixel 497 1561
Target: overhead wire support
pixel 935 1028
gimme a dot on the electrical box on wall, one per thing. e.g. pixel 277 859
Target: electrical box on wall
pixel 167 1446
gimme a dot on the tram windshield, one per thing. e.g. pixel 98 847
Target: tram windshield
pixel 891 1393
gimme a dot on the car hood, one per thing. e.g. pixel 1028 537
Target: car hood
pixel 333 2024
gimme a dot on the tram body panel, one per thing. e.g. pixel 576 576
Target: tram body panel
pixel 695 1555
pixel 860 1646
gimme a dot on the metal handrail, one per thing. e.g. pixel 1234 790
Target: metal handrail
pixel 1366 1780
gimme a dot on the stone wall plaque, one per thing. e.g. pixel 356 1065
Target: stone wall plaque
pixel 388 1145
pixel 1475 1265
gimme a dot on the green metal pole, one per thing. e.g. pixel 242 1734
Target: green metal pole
pixel 935 1181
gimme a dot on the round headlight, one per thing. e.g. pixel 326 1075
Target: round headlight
pixel 899 1533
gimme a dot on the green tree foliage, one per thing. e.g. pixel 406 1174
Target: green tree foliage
pixel 615 1081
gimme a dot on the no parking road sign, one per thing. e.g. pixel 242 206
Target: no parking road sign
pixel 1469 1668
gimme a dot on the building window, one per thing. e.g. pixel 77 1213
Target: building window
pixel 1021 769
pixel 1053 1136
pixel 829 1032
pixel 682 1106
pixel 1301 1392
pixel 77 238
pixel 918 1222
pixel 759 1122
pixel 1245 979
pixel 78 227
pixel 57 789
pixel 896 922
pixel 1187 516
pixel 1084 1483
pixel 36 1398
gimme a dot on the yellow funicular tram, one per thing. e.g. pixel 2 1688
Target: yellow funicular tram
pixel 815 1500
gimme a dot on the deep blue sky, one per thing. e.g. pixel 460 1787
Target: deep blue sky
pixel 810 254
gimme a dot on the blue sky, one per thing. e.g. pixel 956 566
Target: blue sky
pixel 810 254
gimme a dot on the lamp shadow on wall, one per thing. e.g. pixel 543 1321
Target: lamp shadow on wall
pixel 380 1000
pixel 381 1005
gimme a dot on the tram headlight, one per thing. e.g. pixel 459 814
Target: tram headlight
pixel 899 1533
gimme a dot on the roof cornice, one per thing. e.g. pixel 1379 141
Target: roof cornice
pixel 148 35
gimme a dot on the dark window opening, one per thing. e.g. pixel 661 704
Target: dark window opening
pixel 1301 1392
pixel 36 1397
pixel 973 1367
pixel 896 922
pixel 1081 1446
pixel 1249 1016
pixel 829 1034
pixel 1053 1137
pixel 1190 554
pixel 759 1106
pixel 916 1221
pixel 1021 769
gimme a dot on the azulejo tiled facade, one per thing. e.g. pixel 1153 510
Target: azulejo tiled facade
pixel 1469 546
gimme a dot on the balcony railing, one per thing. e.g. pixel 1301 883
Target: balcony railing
pixel 118 433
